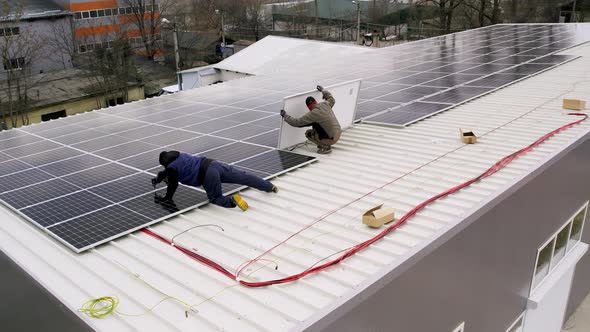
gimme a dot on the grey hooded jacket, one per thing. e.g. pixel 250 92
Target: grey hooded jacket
pixel 321 118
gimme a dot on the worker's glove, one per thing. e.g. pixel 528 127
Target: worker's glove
pixel 283 113
pixel 161 176
pixel 320 88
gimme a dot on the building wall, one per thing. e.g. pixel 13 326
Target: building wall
pixel 108 27
pixel 45 58
pixel 482 275
pixel 77 106
pixel 581 284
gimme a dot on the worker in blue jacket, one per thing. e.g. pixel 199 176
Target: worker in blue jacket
pixel 196 171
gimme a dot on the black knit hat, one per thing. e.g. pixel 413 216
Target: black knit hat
pixel 309 101
pixel 166 157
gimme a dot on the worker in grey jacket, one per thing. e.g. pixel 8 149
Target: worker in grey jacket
pixel 325 130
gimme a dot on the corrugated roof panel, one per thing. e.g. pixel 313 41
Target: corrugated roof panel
pixel 420 161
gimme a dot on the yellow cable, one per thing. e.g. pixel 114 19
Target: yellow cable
pixel 104 306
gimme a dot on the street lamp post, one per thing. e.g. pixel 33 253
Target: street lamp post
pixel 217 11
pixel 358 21
pixel 176 52
pixel 574 19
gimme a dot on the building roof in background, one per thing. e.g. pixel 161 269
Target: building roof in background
pixel 57 87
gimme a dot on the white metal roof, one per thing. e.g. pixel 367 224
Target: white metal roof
pixel 425 158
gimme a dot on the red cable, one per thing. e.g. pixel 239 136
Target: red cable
pixel 355 249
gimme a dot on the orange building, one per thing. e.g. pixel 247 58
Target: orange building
pixel 98 23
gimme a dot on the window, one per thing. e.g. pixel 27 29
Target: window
pixel 14 64
pixel 121 11
pixel 53 115
pixel 90 47
pixel 107 12
pixel 155 7
pixel 577 226
pixel 100 12
pixel 561 244
pixel 78 15
pixel 148 8
pixel 129 10
pixel 11 31
pixel 83 49
pixel 558 246
pixel 93 13
pixel 542 265
pixel 517 325
pixel 85 14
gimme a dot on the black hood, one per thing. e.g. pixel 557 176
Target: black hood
pixel 166 157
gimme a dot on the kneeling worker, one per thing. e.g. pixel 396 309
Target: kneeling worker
pixel 196 171
pixel 326 129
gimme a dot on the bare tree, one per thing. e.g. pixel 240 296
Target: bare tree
pixel 147 18
pixel 485 11
pixel 19 48
pixel 446 9
pixel 61 43
pixel 108 62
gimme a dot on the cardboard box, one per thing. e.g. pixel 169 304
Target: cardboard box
pixel 574 104
pixel 378 216
pixel 467 137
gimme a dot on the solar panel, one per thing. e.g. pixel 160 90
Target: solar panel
pixel 98 227
pixel 488 58
pixel 72 165
pixel 275 162
pixel 457 95
pixel 185 198
pixel 270 139
pixel 64 208
pixel 37 193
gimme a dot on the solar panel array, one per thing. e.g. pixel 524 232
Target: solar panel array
pixel 430 76
pixel 85 179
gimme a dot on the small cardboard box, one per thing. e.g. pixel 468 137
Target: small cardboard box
pixel 574 104
pixel 377 216
pixel 467 137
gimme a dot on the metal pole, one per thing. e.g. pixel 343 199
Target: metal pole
pixel 358 23
pixel 177 56
pixel 574 18
pixel 222 31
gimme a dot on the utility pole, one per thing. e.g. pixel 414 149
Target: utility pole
pixel 317 26
pixel 574 18
pixel 176 52
pixel 217 11
pixel 358 21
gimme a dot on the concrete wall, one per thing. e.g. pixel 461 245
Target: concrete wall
pixel 193 80
pixel 77 106
pixel 482 275
pixel 33 36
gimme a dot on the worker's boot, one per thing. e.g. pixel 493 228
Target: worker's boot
pixel 274 189
pixel 240 202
